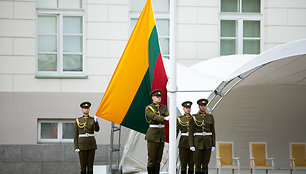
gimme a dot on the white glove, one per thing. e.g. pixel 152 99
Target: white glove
pixel 77 150
pixel 192 149
pixel 166 118
pixel 96 118
pixel 213 149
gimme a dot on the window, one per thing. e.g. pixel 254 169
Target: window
pixel 240 27
pixel 60 38
pixel 161 10
pixel 55 131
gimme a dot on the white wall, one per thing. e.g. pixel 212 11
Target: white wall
pixel 17 42
pixel 197 30
pixel 107 32
pixel 21 110
pixel 284 21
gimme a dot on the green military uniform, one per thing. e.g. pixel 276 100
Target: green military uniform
pixel 155 135
pixel 85 141
pixel 202 137
pixel 185 154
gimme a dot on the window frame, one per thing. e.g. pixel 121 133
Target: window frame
pixel 60 14
pixel 239 17
pixel 59 138
pixel 157 15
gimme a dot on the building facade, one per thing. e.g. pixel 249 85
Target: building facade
pixel 56 54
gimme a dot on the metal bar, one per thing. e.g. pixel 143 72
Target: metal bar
pixel 112 149
pixel 241 77
pixel 194 91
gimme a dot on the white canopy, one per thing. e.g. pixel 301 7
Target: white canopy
pixel 285 64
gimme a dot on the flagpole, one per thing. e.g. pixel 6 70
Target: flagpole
pixel 172 89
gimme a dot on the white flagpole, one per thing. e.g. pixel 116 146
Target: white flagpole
pixel 172 90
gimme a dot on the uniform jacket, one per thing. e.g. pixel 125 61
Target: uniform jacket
pixel 202 142
pixel 156 117
pixel 183 126
pixel 85 143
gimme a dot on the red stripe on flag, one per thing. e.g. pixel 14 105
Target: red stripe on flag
pixel 159 82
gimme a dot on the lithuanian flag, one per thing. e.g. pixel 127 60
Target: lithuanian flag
pixel 139 71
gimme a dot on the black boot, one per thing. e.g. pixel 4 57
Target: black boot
pixel 83 172
pixel 156 169
pixel 198 172
pixel 190 172
pixel 183 171
pixel 90 172
pixel 150 170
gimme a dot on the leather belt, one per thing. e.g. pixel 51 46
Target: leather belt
pixel 203 133
pixel 86 135
pixel 157 126
pixel 185 134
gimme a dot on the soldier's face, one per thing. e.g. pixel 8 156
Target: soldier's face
pixel 187 110
pixel 156 99
pixel 202 108
pixel 85 111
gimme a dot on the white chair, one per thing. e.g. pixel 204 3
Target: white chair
pixel 225 157
pixel 297 156
pixel 259 158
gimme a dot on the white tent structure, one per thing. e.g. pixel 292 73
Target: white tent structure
pixel 261 90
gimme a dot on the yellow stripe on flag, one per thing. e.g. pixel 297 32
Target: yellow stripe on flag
pixel 130 70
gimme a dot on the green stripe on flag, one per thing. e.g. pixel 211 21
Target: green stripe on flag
pixel 135 117
pixel 154 51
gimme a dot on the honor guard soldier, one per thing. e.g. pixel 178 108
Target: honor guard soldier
pixel 186 155
pixel 202 137
pixel 84 138
pixel 156 114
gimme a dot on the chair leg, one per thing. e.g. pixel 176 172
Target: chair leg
pixel 233 171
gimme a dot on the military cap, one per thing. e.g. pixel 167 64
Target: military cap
pixel 156 92
pixel 202 102
pixel 187 104
pixel 85 105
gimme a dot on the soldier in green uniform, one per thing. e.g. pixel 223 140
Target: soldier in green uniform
pixel 186 155
pixel 202 137
pixel 156 114
pixel 84 138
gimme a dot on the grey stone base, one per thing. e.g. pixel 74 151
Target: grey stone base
pixel 45 159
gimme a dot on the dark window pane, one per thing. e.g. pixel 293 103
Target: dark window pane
pixel 73 62
pixel 228 28
pixel 251 29
pixel 49 130
pixel 251 46
pixel 68 130
pixel 228 47
pixel 229 6
pixel 47 62
pixel 251 6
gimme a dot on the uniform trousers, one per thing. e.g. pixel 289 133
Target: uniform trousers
pixel 186 158
pixel 155 153
pixel 87 160
pixel 202 157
